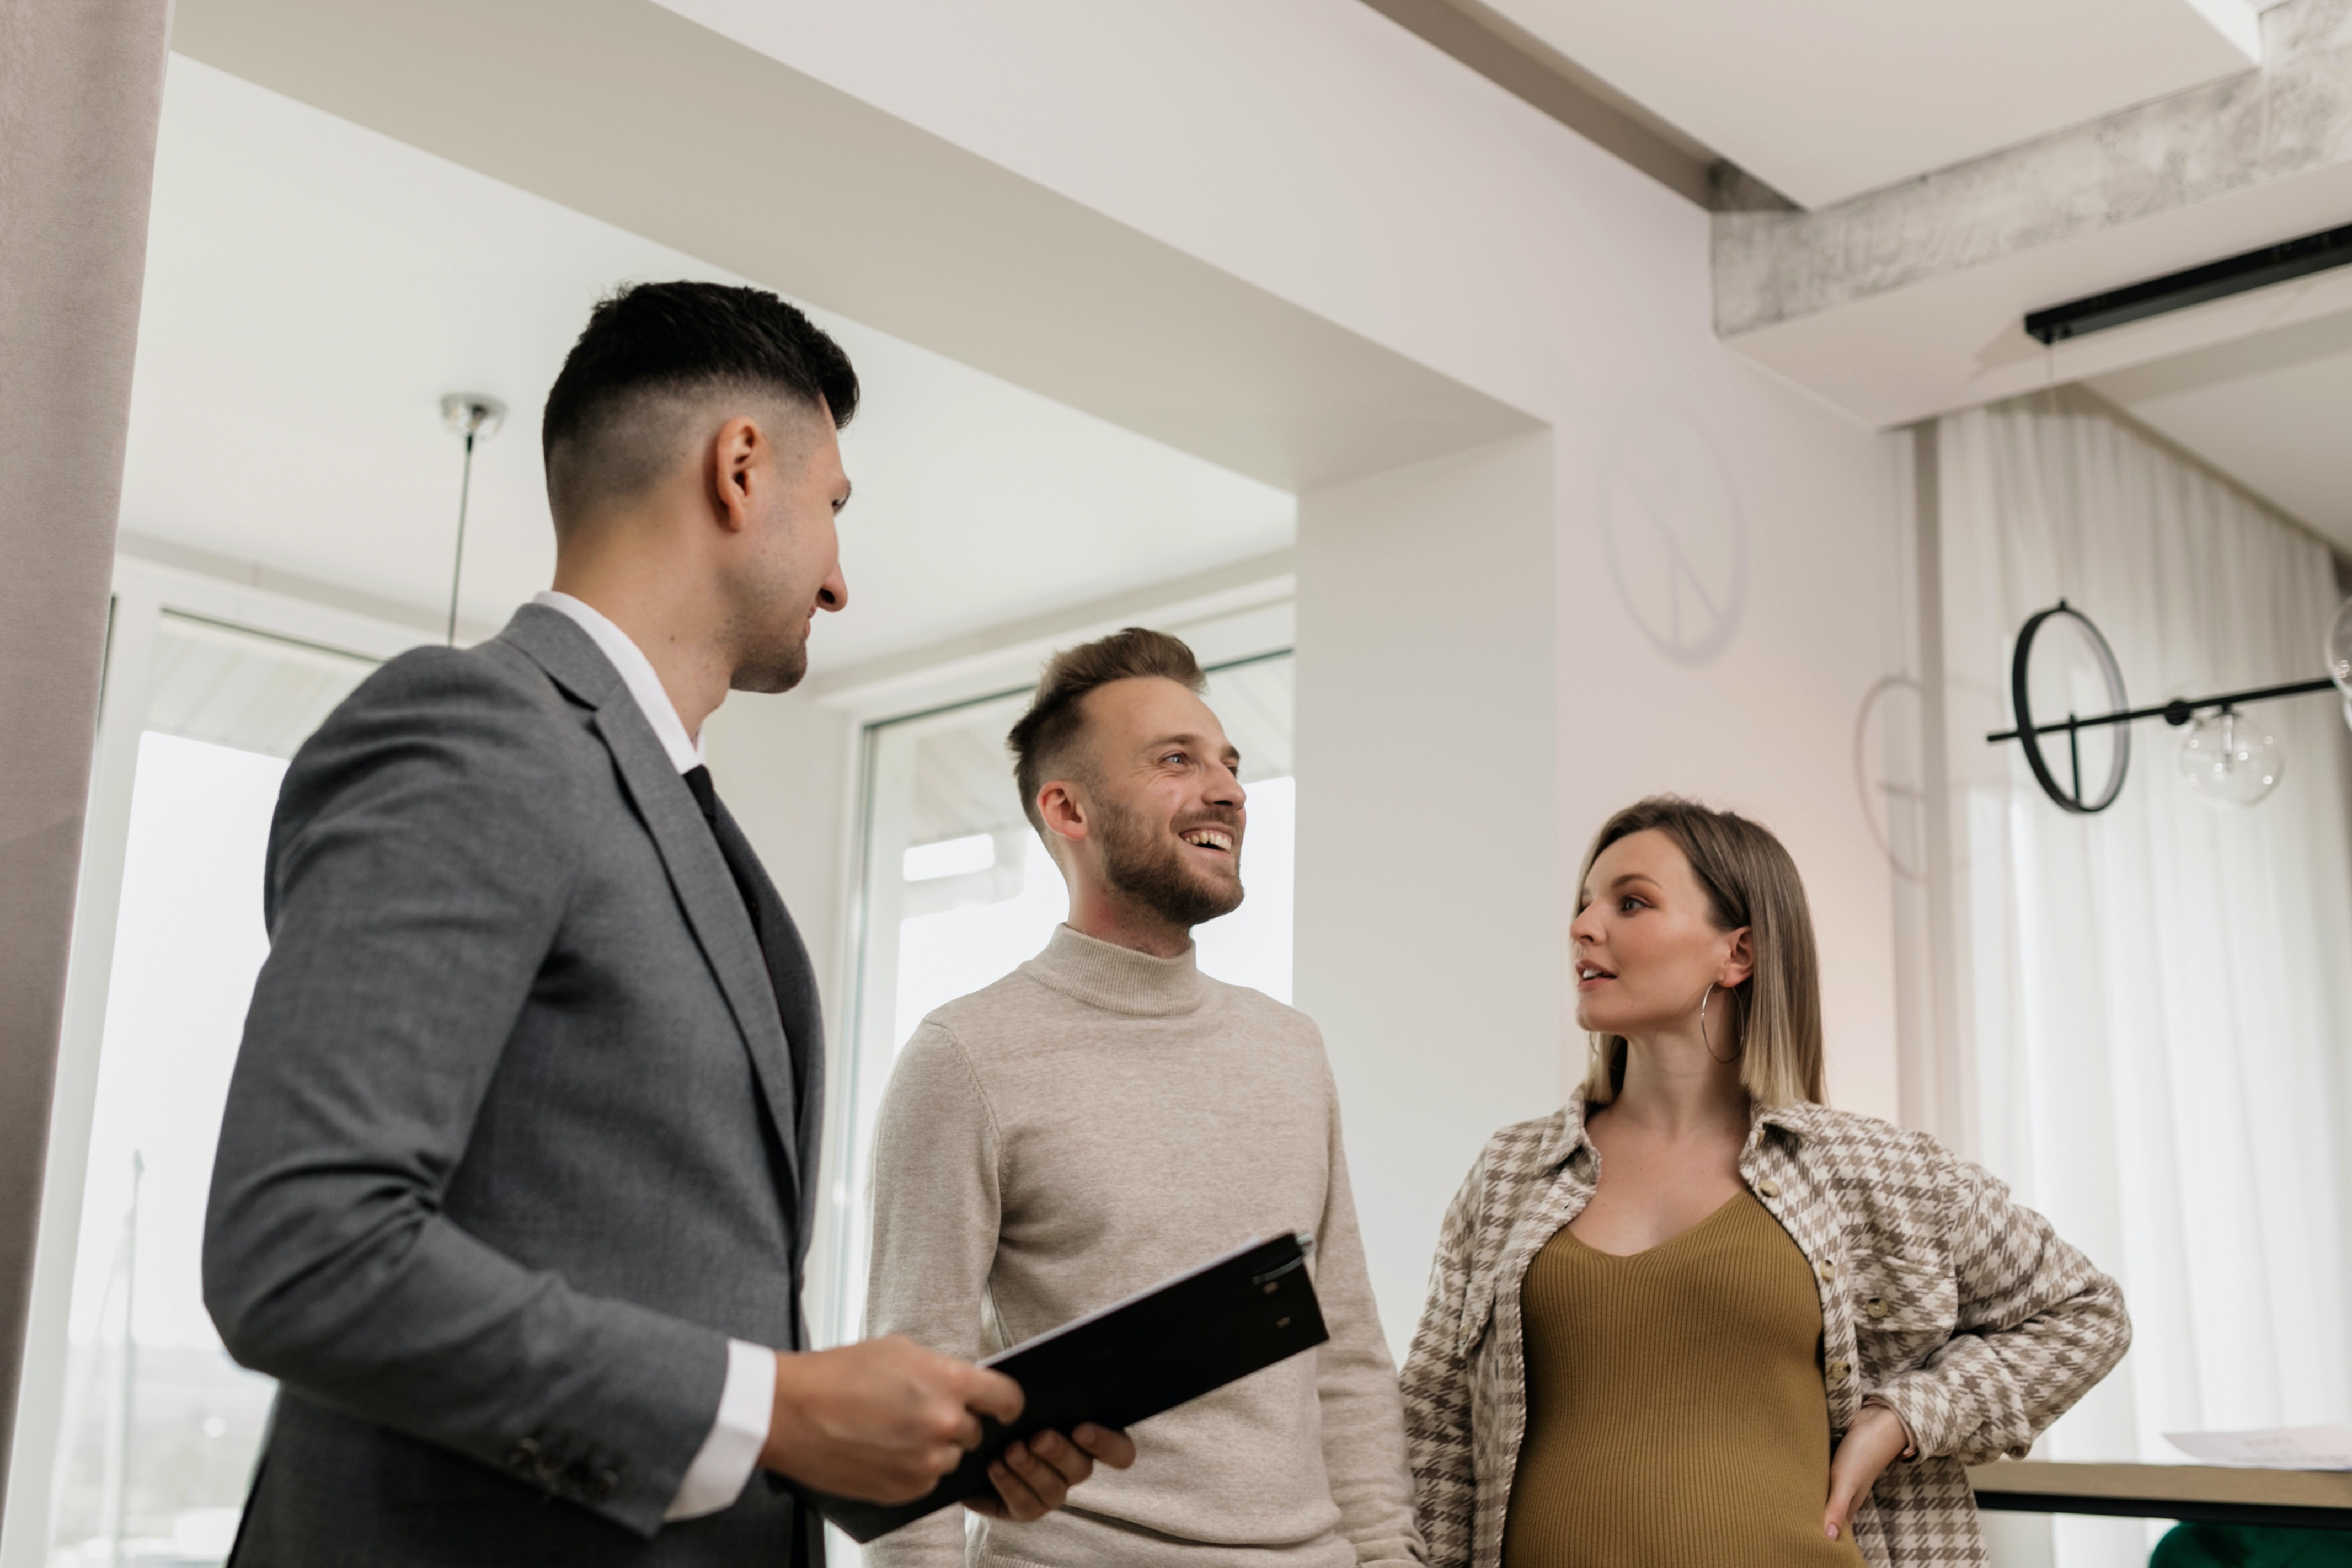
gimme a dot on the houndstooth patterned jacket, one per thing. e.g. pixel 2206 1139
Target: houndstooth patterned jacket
pixel 1939 1297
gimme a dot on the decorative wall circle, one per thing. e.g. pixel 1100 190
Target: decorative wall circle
pixel 1895 812
pixel 1671 527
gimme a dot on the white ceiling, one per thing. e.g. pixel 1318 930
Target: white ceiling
pixel 2270 410
pixel 313 289
pixel 1831 98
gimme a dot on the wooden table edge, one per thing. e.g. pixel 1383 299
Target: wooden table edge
pixel 2310 1499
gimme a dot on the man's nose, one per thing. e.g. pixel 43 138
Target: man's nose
pixel 835 594
pixel 1226 786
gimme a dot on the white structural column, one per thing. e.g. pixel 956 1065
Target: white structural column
pixel 81 85
pixel 1430 877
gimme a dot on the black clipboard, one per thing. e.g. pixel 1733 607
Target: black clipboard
pixel 1181 1339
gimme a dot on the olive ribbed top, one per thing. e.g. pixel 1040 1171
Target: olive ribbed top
pixel 1675 1413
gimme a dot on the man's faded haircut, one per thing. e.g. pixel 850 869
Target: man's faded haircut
pixel 1042 739
pixel 620 413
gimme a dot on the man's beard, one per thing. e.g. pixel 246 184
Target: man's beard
pixel 1148 868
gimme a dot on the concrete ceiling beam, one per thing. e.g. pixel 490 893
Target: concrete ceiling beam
pixel 1909 301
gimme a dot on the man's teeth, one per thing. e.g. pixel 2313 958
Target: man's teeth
pixel 1209 839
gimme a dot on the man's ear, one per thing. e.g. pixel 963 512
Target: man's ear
pixel 738 453
pixel 1064 810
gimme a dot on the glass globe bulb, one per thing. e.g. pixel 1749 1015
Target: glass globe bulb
pixel 2230 759
pixel 2339 648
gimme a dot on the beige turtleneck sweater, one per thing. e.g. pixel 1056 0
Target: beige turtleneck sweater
pixel 1090 1124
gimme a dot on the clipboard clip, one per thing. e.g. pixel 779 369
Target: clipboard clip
pixel 1306 1250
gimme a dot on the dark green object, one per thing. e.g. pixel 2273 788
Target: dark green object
pixel 2251 1546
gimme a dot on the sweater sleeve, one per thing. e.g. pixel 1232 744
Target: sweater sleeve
pixel 2038 1326
pixel 1356 1385
pixel 936 1208
pixel 1437 1387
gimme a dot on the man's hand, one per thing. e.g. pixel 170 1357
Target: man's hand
pixel 1872 1443
pixel 882 1420
pixel 1035 1476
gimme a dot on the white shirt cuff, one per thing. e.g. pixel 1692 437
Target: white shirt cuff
pixel 747 1401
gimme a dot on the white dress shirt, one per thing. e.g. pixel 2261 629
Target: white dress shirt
pixel 746 1400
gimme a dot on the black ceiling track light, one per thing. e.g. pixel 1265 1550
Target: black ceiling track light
pixel 2176 291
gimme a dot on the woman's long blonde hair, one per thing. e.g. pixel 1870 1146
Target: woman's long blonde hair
pixel 1774 1014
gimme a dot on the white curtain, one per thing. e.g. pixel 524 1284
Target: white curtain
pixel 2155 1001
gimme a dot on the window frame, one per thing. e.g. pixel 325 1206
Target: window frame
pixel 142 594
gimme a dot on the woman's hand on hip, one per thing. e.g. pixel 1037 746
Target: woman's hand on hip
pixel 1873 1442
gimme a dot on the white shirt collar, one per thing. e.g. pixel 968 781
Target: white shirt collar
pixel 636 672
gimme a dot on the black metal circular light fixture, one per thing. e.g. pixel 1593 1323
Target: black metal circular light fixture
pixel 2176 712
pixel 2118 760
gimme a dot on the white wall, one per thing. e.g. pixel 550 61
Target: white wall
pixel 781 764
pixel 1322 153
pixel 1429 924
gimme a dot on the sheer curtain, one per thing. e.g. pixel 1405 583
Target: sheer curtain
pixel 2155 1001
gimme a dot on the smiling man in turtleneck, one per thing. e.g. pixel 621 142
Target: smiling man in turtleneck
pixel 1106 1116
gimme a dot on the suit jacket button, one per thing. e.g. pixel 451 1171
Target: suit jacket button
pixel 606 1484
pixel 1836 1371
pixel 525 1456
pixel 1768 1188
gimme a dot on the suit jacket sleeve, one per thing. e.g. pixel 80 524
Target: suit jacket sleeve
pixel 937 1208
pixel 415 887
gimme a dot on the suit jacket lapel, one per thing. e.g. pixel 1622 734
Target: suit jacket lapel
pixel 697 870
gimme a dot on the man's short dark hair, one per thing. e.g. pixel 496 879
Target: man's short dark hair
pixel 1042 737
pixel 618 411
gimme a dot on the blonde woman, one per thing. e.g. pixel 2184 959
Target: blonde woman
pixel 1693 1317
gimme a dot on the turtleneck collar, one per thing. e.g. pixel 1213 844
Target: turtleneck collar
pixel 1118 979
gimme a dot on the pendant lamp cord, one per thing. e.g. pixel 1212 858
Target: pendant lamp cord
pixel 458 565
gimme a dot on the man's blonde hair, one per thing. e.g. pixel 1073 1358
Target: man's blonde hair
pixel 1043 737
pixel 1774 1014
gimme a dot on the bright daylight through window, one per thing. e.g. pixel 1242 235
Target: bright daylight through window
pixel 159 1430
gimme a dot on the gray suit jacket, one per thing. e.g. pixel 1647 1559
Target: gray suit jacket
pixel 522 1132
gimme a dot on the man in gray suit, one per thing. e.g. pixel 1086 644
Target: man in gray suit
pixel 516 1179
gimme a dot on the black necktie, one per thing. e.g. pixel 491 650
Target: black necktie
pixel 698 779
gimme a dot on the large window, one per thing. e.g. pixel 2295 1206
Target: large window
pixel 137 1434
pixel 957 890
